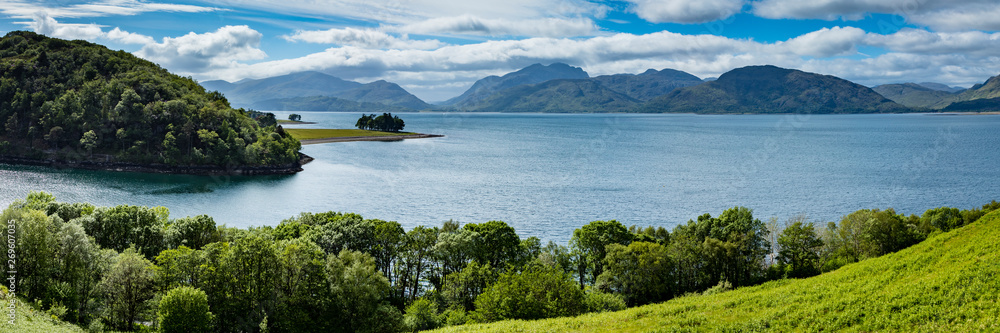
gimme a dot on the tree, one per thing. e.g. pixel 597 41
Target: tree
pixel 590 242
pixel 252 264
pixel 461 288
pixel 361 294
pixel 126 288
pixel 496 243
pixel 81 266
pixel 184 310
pixel 799 246
pixel 193 232
pixel 641 273
pixel 89 141
pixel 295 117
pixel 535 293
pixel 121 227
pixel 36 248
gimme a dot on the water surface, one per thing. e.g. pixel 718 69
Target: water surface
pixel 548 174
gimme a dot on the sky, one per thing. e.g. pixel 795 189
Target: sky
pixel 437 49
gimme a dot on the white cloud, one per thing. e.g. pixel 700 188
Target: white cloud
pixel 44 24
pixel 474 25
pixel 195 53
pixel 970 43
pixel 826 42
pixel 366 38
pixel 941 15
pixel 82 8
pixel 686 11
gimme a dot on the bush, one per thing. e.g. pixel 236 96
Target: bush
pixel 597 301
pixel 538 292
pixel 184 310
pixel 421 315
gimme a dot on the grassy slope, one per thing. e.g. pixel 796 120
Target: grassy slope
pixel 316 133
pixel 949 283
pixel 30 320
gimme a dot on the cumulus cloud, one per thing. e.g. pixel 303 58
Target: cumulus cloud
pixel 25 9
pixel 685 11
pixel 196 53
pixel 826 42
pixel 44 24
pixel 366 38
pixel 474 25
pixel 969 43
pixel 942 15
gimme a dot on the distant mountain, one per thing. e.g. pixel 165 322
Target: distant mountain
pixel 246 92
pixel 325 103
pixel 280 90
pixel 770 89
pixel 976 105
pixel 941 87
pixel 533 74
pixel 578 95
pixel 915 95
pixel 383 92
pixel 648 85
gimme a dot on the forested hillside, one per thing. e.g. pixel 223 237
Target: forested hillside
pixel 77 101
pixel 135 268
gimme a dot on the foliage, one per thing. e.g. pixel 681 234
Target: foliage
pixel 127 287
pixel 799 244
pixel 944 284
pixel 641 273
pixel 385 123
pixel 295 117
pixel 535 293
pixel 74 99
pixel 422 315
pixel 184 310
pixel 591 241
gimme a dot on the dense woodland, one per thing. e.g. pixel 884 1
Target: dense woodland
pixel 113 268
pixel 74 100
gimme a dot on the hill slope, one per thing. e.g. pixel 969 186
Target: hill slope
pixel 557 96
pixel 769 89
pixel 948 283
pixel 915 95
pixel 533 74
pixel 648 85
pixel 79 104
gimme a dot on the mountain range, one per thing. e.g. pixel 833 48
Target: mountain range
pixel 286 93
pixel 559 87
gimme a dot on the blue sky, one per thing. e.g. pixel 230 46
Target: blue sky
pixel 438 48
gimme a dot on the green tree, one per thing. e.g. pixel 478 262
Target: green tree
pixel 126 288
pixel 362 294
pixel 496 243
pixel 461 288
pixel 252 264
pixel 121 227
pixel 590 242
pixel 193 232
pixel 89 141
pixel 295 117
pixel 535 293
pixel 81 266
pixel 641 273
pixel 799 246
pixel 36 247
pixel 184 310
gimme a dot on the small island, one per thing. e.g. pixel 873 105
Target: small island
pixel 385 127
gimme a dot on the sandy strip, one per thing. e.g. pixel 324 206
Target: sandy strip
pixel 370 138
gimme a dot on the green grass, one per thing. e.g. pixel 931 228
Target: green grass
pixel 948 283
pixel 291 122
pixel 315 133
pixel 30 320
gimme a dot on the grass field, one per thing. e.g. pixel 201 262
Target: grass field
pixel 292 122
pixel 29 320
pixel 948 283
pixel 314 133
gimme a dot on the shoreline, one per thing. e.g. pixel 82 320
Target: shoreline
pixel 198 170
pixel 369 138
